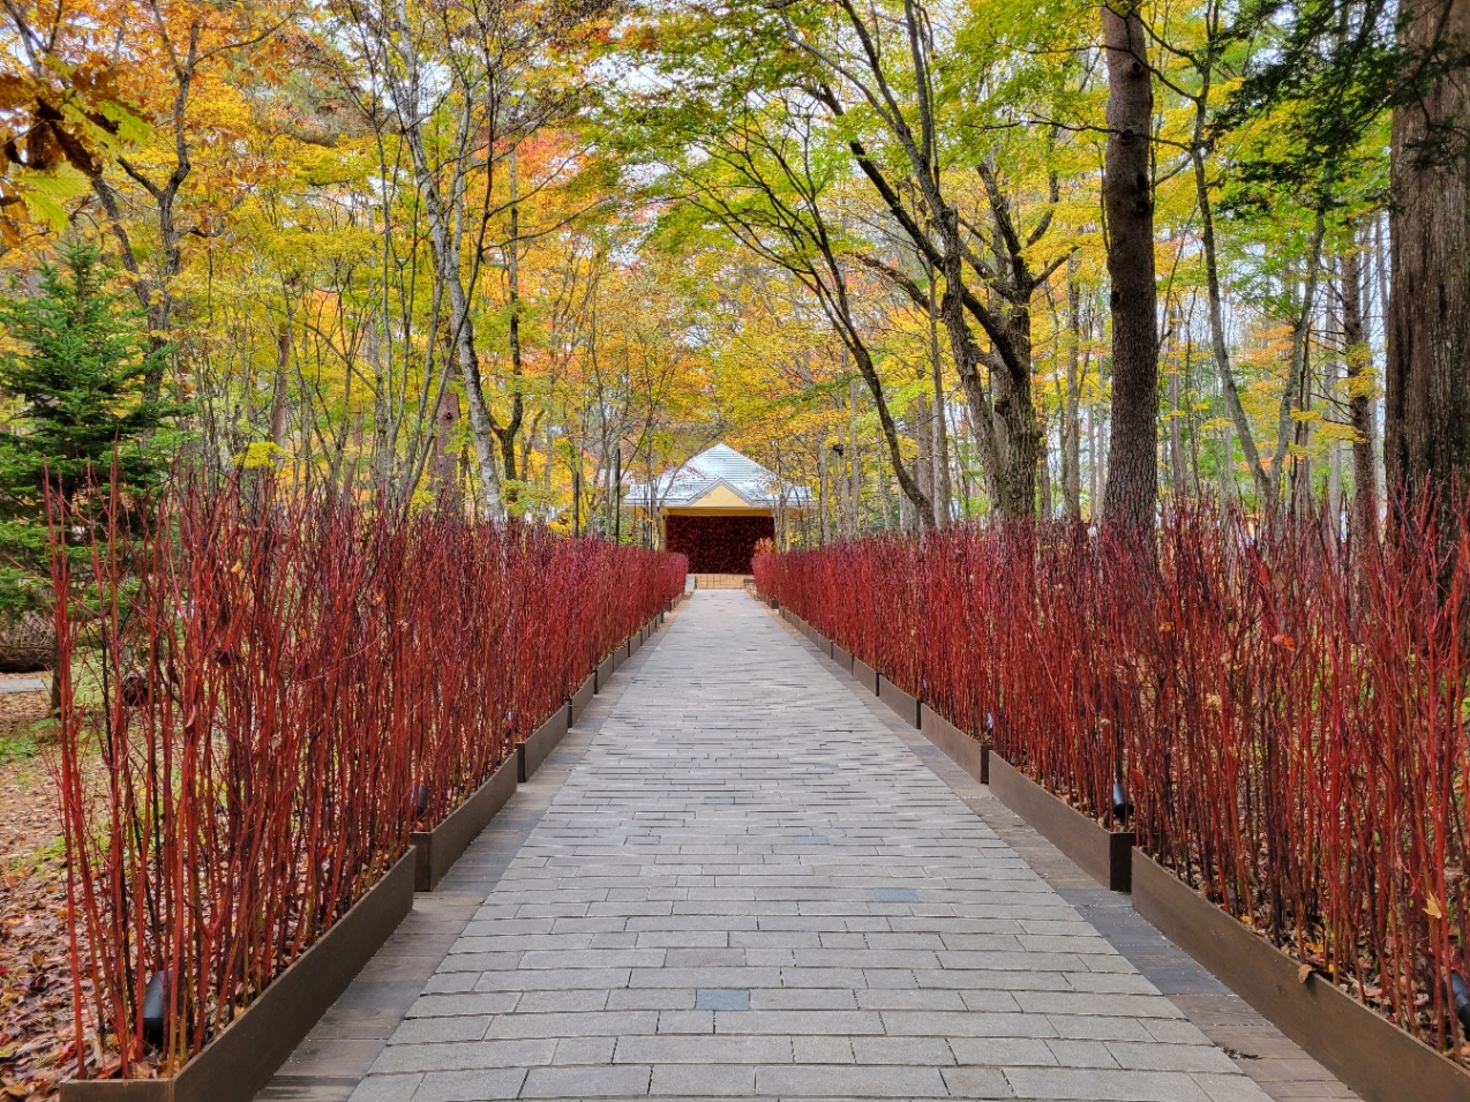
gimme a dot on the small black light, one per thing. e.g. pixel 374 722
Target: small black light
pixel 1460 996
pixel 155 1008
pixel 421 800
pixel 1122 804
pixel 989 723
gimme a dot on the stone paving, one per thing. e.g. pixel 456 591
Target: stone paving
pixel 749 886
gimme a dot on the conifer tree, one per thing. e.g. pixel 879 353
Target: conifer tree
pixel 76 361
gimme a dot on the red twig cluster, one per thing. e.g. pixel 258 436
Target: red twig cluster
pixel 290 684
pixel 1287 710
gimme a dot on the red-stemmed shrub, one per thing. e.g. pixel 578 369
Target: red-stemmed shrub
pixel 289 684
pixel 1286 707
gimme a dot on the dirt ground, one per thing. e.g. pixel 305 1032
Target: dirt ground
pixel 35 978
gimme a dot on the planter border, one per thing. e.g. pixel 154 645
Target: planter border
pixel 243 1056
pixel 603 674
pixel 435 851
pixel 533 751
pixel 842 657
pixel 970 754
pixel 1105 855
pixel 866 676
pixel 904 704
pixel 1371 1055
pixel 582 697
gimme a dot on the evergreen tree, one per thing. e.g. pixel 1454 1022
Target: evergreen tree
pixel 76 361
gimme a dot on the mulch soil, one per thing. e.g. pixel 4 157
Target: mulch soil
pixel 36 1050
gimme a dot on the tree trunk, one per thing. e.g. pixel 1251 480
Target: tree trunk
pixel 1071 425
pixel 1359 361
pixel 1426 429
pixel 940 444
pixel 1133 476
pixel 512 427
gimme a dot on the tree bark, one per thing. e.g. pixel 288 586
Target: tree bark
pixel 1426 429
pixel 1133 477
pixel 1360 394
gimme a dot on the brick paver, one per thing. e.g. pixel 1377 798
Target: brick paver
pixel 750 887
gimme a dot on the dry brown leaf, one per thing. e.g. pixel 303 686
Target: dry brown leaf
pixel 1302 972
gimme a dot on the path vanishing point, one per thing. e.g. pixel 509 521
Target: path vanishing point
pixel 741 877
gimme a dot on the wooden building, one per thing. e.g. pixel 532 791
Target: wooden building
pixel 716 506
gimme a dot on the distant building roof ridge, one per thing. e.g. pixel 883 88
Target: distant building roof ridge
pixel 720 464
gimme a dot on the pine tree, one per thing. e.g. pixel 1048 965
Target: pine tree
pixel 76 360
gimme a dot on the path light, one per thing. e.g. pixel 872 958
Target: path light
pixel 1122 804
pixel 420 800
pixel 155 1008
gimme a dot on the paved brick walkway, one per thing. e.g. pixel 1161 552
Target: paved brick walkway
pixel 749 887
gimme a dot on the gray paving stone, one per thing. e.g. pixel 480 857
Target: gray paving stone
pixel 749 886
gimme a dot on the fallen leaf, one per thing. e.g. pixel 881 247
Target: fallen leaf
pixel 1302 972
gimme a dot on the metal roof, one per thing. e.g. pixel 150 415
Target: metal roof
pixel 721 464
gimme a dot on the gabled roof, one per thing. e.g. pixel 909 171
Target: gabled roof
pixel 720 466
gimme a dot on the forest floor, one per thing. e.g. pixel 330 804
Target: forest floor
pixel 35 975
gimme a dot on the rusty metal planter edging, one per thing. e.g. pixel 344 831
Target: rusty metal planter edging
pixel 1371 1055
pixel 533 751
pixel 904 704
pixel 970 754
pixel 243 1056
pixel 866 676
pixel 1105 855
pixel 437 850
pixel 583 697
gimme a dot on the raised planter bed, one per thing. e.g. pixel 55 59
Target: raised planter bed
pixel 1368 1053
pixel 866 676
pixel 970 754
pixel 842 657
pixel 901 702
pixel 620 655
pixel 241 1059
pixel 533 751
pixel 436 850
pixel 1105 855
pixel 604 673
pixel 634 642
pixel 582 697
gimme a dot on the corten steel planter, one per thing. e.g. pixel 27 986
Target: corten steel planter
pixel 970 754
pixel 866 676
pixel 582 697
pixel 604 673
pixel 619 656
pixel 901 702
pixel 634 642
pixel 243 1056
pixel 1371 1055
pixel 842 657
pixel 437 850
pixel 1105 855
pixel 532 752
